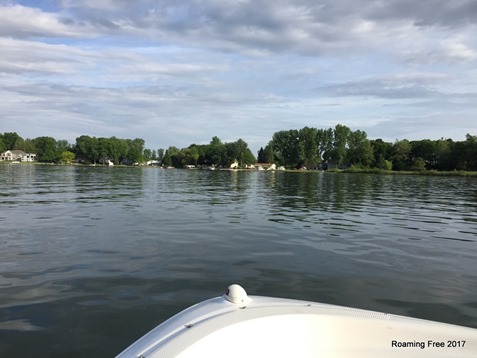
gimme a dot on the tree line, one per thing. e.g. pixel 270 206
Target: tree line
pixel 337 147
pixel 340 147
pixel 216 153
pixel 90 150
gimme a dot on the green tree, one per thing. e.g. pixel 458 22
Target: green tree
pixel 426 150
pixel 3 147
pixel 160 154
pixel 248 157
pixel 147 154
pixel 9 139
pixel 104 149
pixel 29 146
pixel 287 148
pixel 340 136
pixel 386 165
pixel 269 153
pixel 66 157
pixel 265 155
pixel 443 154
pixel 239 151
pixel 324 140
pixel 135 150
pixel 401 154
pixel 190 156
pixel 166 160
pixel 63 145
pixel 46 149
pixel 87 148
pixel 309 144
pixel 418 164
pixel 174 156
pixel 471 151
pixel 216 152
pixel 118 150
pixel 359 151
pixel 261 156
pixel 19 144
pixel 381 153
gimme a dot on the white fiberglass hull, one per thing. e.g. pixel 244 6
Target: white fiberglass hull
pixel 237 325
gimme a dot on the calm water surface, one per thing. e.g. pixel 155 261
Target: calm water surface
pixel 93 258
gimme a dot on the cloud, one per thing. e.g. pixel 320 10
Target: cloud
pixel 18 21
pixel 395 87
pixel 177 72
pixel 427 13
pixel 24 56
pixel 257 28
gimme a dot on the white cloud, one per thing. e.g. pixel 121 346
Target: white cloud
pixel 18 21
pixel 175 73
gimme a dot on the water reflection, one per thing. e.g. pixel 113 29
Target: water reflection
pixel 108 184
pixel 94 257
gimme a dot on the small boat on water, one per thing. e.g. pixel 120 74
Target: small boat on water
pixel 238 325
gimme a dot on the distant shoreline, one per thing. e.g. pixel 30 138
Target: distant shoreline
pixel 455 173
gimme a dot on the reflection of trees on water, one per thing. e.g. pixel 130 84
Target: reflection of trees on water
pixel 210 187
pixel 412 202
pixel 319 191
pixel 108 184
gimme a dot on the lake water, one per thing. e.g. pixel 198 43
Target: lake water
pixel 94 257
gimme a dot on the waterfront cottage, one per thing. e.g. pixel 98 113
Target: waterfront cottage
pixel 17 155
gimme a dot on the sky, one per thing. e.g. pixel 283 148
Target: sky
pixel 176 73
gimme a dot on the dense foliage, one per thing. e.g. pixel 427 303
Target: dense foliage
pixel 92 150
pixel 215 153
pixel 87 149
pixel 338 147
pixel 119 151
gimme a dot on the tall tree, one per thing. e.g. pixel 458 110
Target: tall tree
pixel 261 155
pixel 62 145
pixel 401 154
pixel 118 150
pixel 135 150
pixel 9 139
pixel 360 151
pixel 426 150
pixel 324 139
pixel 340 136
pixel 381 153
pixel 242 153
pixel 87 148
pixel 147 154
pixel 216 152
pixel 444 154
pixel 471 151
pixel 160 154
pixel 19 144
pixel 46 149
pixel 167 160
pixel 287 148
pixel 3 147
pixel 309 143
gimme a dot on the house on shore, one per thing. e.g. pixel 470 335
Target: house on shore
pixel 266 166
pixel 17 155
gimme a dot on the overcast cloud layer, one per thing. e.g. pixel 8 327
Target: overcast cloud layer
pixel 179 72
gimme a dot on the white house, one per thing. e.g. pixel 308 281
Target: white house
pixel 17 155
